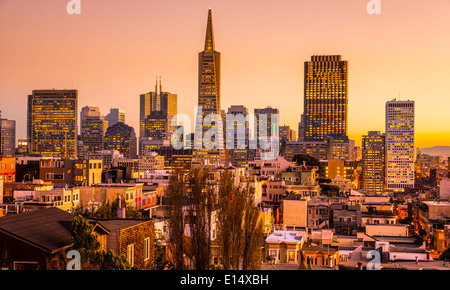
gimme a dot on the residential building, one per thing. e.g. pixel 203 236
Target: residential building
pixel 37 240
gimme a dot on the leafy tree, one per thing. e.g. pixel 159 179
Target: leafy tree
pixel 445 255
pixel 86 243
pixel 160 253
pixel 310 161
pixel 108 210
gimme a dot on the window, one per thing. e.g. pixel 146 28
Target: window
pixel 130 254
pixel 146 249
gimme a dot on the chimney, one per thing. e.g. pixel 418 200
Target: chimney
pixel 120 210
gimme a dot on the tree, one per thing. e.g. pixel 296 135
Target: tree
pixel 253 234
pixel 108 210
pixel 309 161
pixel 86 243
pixel 201 198
pixel 175 195
pixel 229 219
pixel 445 255
pixel 240 228
pixel 160 253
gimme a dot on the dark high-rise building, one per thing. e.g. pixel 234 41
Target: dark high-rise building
pixel 211 149
pixel 52 123
pixel 160 101
pixel 121 137
pixel 373 162
pixel 93 129
pixel 115 116
pixel 326 98
pixel 7 138
pixel 156 126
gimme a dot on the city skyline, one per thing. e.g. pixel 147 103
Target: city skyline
pixel 265 53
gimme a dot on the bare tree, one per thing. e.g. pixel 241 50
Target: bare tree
pixel 175 195
pixel 201 198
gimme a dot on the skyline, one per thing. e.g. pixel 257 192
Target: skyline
pixel 106 75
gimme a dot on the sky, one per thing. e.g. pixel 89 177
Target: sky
pixel 113 51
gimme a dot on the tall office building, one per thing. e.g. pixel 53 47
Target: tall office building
pixel 209 102
pixel 93 129
pixel 7 138
pixel 52 123
pixel 267 128
pixel 115 116
pixel 156 126
pixel 400 145
pixel 373 162
pixel 326 98
pixel 158 101
pixel 239 134
pixel 121 137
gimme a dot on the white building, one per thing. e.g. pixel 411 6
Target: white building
pixel 400 145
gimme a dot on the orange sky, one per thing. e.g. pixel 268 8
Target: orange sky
pixel 113 51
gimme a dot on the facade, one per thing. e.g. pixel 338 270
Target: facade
pixel 374 162
pixel 150 162
pixel 400 150
pixel 210 103
pixel 122 138
pixel 52 170
pixel 132 238
pixel 7 138
pixel 295 211
pixel 326 97
pixel 155 126
pixel 83 172
pixel 52 123
pixel 93 129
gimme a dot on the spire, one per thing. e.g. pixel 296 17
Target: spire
pixel 156 86
pixel 160 87
pixel 209 41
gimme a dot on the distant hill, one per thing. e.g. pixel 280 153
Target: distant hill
pixel 436 151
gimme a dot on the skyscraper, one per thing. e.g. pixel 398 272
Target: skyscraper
pixel 212 149
pixel 122 138
pixel 52 123
pixel 326 98
pixel 7 138
pixel 160 101
pixel 239 134
pixel 374 162
pixel 115 116
pixel 93 129
pixel 399 145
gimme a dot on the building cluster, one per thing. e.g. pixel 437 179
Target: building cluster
pixel 325 202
